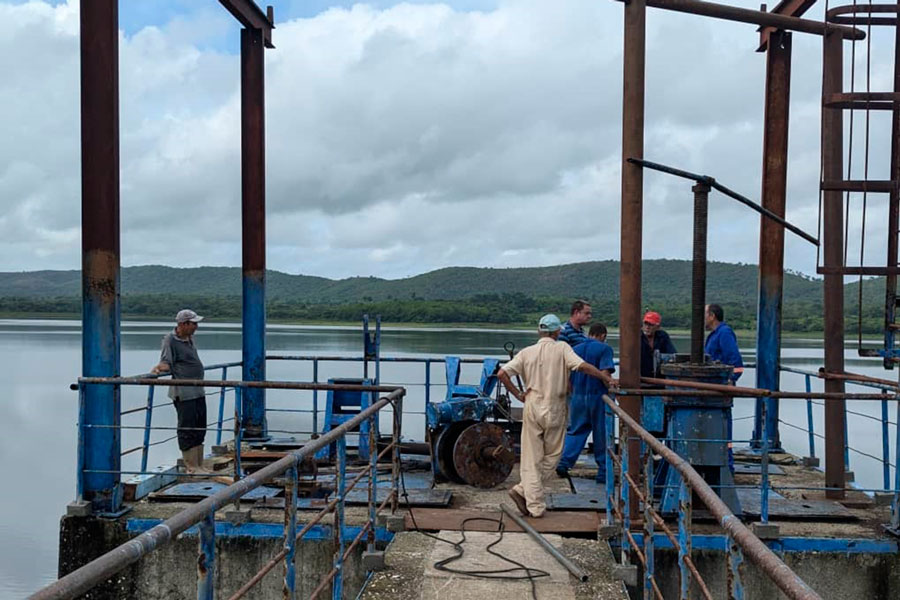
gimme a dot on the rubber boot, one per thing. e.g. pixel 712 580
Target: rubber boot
pixel 198 457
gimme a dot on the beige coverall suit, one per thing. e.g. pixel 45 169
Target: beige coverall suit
pixel 545 368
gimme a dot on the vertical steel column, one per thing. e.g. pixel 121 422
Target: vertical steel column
pixel 624 490
pixel 206 561
pixel 735 561
pixel 148 422
pixel 632 219
pixel 253 214
pixel 685 501
pixel 890 301
pixel 610 467
pixel 885 443
pixel 698 267
pixel 833 238
pixel 221 418
pixel 288 590
pixel 337 585
pixel 315 398
pixel 100 260
pixel 771 234
pixel 649 568
pixel 373 482
pixel 811 424
pixel 764 469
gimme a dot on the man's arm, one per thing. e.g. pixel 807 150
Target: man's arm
pixel 507 382
pixel 161 367
pixel 604 376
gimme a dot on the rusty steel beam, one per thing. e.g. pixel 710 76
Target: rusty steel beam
pixel 698 270
pixel 634 60
pixel 789 8
pixel 756 17
pixel 251 16
pixel 833 240
pixel 253 227
pixel 100 255
pixel 771 235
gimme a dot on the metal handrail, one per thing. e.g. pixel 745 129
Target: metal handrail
pixel 104 567
pixel 767 561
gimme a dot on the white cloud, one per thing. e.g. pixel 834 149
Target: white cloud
pixel 403 139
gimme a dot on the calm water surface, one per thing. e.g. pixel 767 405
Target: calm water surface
pixel 39 359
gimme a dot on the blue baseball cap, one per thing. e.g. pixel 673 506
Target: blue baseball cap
pixel 549 323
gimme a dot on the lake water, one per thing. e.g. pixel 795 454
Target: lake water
pixel 38 434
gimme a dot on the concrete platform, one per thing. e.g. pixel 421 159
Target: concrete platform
pixel 411 572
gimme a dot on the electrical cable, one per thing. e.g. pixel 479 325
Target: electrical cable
pixel 530 573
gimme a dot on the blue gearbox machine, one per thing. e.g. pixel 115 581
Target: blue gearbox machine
pixel 465 447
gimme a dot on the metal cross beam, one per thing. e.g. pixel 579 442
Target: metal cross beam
pixel 252 16
pixel 788 8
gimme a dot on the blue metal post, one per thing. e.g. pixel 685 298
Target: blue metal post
pixel 373 482
pixel 377 349
pixel 625 488
pixel 895 505
pixel 315 426
pixel 684 538
pixel 206 562
pixel 735 559
pixel 100 251
pixel 809 420
pixel 238 432
pixel 885 443
pixel 610 469
pixel 846 440
pixel 79 475
pixel 290 533
pixel 221 408
pixel 764 469
pixel 649 573
pixel 337 586
pixel 148 421
pixel 253 227
pixel 427 381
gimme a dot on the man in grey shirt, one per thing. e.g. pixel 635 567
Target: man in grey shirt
pixel 179 357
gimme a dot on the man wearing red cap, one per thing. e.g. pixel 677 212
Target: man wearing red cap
pixel 652 339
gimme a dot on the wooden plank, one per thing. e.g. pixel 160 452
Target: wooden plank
pixel 140 486
pixel 437 519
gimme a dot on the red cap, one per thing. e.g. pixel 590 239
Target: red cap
pixel 652 317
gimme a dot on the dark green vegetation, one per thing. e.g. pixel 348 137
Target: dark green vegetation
pixel 451 295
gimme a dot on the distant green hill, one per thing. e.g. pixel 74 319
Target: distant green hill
pixel 453 294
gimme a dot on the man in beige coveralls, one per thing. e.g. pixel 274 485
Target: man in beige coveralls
pixel 545 367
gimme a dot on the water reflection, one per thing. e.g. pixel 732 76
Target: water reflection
pixel 41 358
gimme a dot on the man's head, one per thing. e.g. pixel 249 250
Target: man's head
pixel 597 332
pixel 549 326
pixel 652 321
pixel 186 322
pixel 714 315
pixel 581 313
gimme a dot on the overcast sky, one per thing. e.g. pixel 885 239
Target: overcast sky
pixel 407 137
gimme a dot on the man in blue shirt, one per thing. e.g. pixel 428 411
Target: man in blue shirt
pixel 586 406
pixel 653 338
pixel 580 315
pixel 721 344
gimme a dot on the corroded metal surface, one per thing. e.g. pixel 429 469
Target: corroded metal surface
pixel 481 455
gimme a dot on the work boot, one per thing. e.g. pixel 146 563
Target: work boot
pixel 562 472
pixel 520 502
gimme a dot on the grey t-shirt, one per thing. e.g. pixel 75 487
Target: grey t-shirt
pixel 184 363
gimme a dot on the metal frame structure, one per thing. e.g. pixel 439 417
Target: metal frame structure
pixel 101 260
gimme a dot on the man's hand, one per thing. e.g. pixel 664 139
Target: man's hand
pixel 160 368
pixel 612 384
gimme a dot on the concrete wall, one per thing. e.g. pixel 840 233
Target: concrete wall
pixel 833 576
pixel 171 572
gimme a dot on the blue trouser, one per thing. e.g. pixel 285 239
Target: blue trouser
pixel 586 416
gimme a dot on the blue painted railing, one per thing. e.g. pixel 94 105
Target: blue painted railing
pixel 740 541
pixel 202 514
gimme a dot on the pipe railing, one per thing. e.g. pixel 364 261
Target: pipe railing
pixel 202 514
pixel 741 542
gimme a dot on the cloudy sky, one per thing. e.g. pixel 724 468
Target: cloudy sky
pixel 404 137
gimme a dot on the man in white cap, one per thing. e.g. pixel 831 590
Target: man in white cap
pixel 545 368
pixel 179 357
